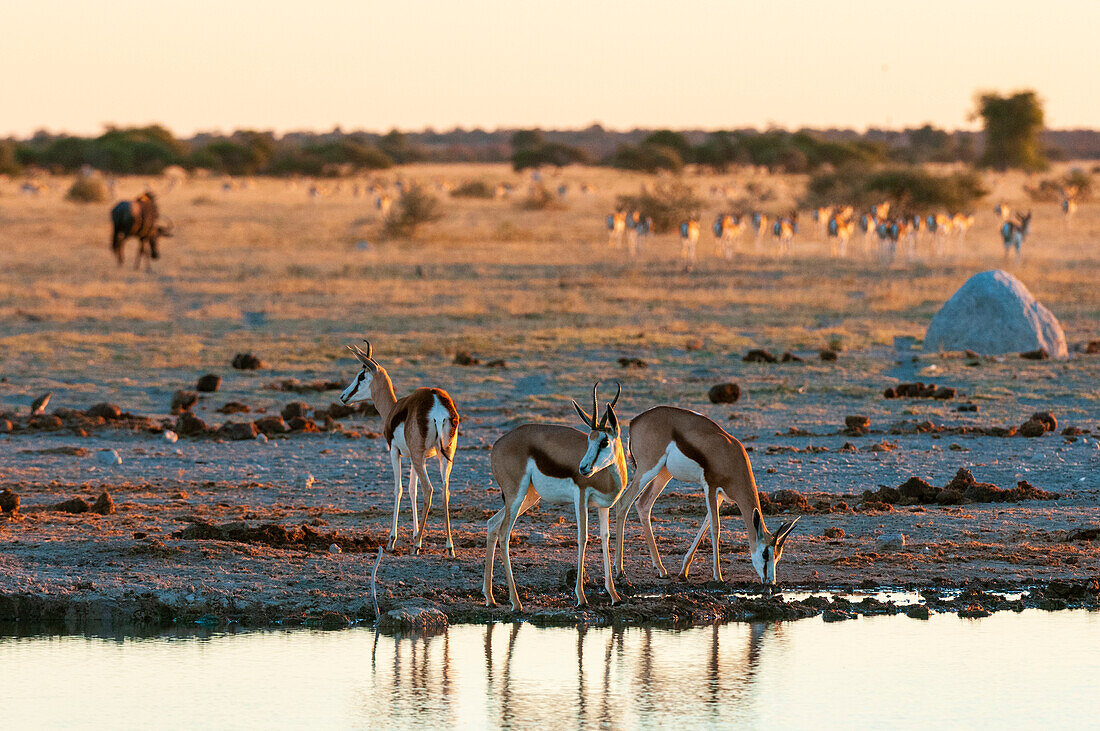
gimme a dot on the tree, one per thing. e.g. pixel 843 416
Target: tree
pixel 526 139
pixel 1012 127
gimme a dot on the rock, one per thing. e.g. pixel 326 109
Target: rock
pixel 104 505
pixel 835 615
pixel 208 383
pixel 299 423
pixel 1040 354
pixel 993 313
pixel 1048 420
pixel 789 357
pixel 262 438
pixel 724 393
pixel 334 548
pixel 632 363
pixel 247 362
pixel 76 505
pixel 828 355
pixel 856 424
pixel 304 481
pixel 790 500
pixel 9 502
pixel 943 393
pixel 334 620
pixel 295 409
pixel 889 543
pixel 419 619
pixel 890 393
pixel 918 491
pixel 108 457
pixel 759 355
pixel 1033 428
pixel 1073 431
pixel 967 408
pixel 834 532
pixel 918 611
pixel 339 411
pixel 183 401
pixel 234 407
pixel 974 611
pixel 189 425
pixel 105 411
pixel 238 431
pixel 273 424
pixel 6 426
pixel 170 436
pixel 463 358
pixel 497 363
pixel 1093 347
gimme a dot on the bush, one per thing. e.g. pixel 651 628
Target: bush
pixel 87 189
pixel 667 204
pixel 548 153
pixel 474 189
pixel 1050 190
pixel 646 158
pixel 908 189
pixel 541 199
pixel 9 163
pixel 415 207
pixel 1012 127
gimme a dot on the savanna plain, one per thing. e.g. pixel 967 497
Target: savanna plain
pixel 545 307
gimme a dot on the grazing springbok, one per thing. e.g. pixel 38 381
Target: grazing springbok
pixel 418 426
pixel 616 227
pixel 1014 233
pixel 633 224
pixel 1003 211
pixel 868 225
pixel 759 223
pixel 383 203
pixel 960 224
pixel 839 229
pixel 689 237
pixel 888 231
pixel 138 218
pixel 563 465
pixel 667 442
pixel 784 230
pixel 821 218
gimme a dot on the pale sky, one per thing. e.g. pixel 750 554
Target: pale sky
pixel 76 65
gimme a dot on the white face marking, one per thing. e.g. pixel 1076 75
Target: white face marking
pixel 359 388
pixel 763 560
pixel 600 454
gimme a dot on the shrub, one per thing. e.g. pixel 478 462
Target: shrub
pixel 9 163
pixel 646 158
pixel 541 199
pixel 415 207
pixel 667 204
pixel 547 153
pixel 474 189
pixel 1012 127
pixel 909 189
pixel 87 189
pixel 1050 190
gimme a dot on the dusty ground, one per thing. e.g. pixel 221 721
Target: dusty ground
pixel 268 270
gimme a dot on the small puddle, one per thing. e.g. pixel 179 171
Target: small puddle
pixel 1014 669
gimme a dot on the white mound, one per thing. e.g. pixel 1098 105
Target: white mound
pixel 993 313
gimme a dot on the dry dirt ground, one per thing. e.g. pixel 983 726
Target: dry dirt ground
pixel 265 268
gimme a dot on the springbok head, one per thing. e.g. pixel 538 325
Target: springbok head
pixel 604 435
pixel 359 388
pixel 769 547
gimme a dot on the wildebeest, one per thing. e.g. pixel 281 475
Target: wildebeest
pixel 138 218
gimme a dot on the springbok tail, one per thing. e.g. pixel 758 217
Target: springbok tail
pixel 445 436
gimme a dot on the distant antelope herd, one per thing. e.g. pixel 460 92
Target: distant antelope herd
pixel 584 468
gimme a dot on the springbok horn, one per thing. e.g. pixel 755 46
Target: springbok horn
pixel 370 350
pixel 584 416
pixel 357 353
pixel 618 391
pixel 595 403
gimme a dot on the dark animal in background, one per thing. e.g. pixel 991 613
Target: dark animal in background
pixel 138 218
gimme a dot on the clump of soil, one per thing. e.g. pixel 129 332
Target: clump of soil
pixel 271 425
pixel 104 505
pixel 1040 354
pixel 189 425
pixel 789 357
pixel 759 355
pixel 497 363
pixel 464 358
pixel 1093 347
pixel 209 383
pixel 632 363
pixel 834 532
pixel 233 407
pixel 920 390
pixel 962 489
pixel 856 425
pixel 724 393
pixel 9 502
pixel 237 431
pixel 302 424
pixel 295 409
pixel 293 385
pixel 247 362
pixel 104 411
pixel 183 401
pixel 277 536
pixel 1039 424
pixel 76 505
pixel 828 355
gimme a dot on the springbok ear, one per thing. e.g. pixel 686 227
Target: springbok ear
pixel 784 531
pixel 609 418
pixel 758 524
pixel 584 417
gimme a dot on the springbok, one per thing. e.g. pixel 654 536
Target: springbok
pixel 727 231
pixel 821 218
pixel 1003 211
pixel 383 203
pixel 633 223
pixel 689 237
pixel 616 227
pixel 961 223
pixel 759 226
pixel 562 465
pixel 418 426
pixel 839 229
pixel 1069 203
pixel 868 225
pixel 1014 233
pixel 667 442
pixel 889 231
pixel 784 230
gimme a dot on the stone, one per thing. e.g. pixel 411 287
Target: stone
pixel 76 505
pixel 724 393
pixel 300 423
pixel 295 409
pixel 105 411
pixel 238 431
pixel 9 502
pixel 918 611
pixel 189 425
pixel 233 407
pixel 1033 428
pixel 247 362
pixel 993 313
pixel 834 532
pixel 828 355
pixel 759 355
pixel 183 401
pixel 208 383
pixel 892 542
pixel 108 457
pixel 463 358
pixel 170 436
pixel 1048 420
pixel 273 424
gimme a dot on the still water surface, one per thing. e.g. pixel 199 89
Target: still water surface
pixel 1031 669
